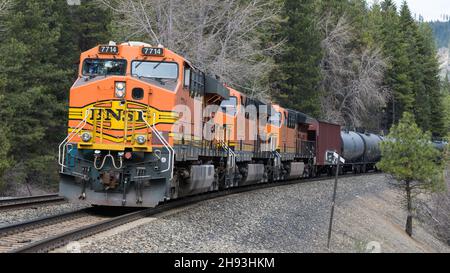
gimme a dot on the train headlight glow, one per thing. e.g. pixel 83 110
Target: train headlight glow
pixel 141 140
pixel 120 89
pixel 86 136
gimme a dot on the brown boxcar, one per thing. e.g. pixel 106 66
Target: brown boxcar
pixel 328 140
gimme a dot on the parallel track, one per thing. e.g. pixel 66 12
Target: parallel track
pixel 61 229
pixel 23 202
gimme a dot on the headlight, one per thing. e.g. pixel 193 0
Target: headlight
pixel 141 140
pixel 120 89
pixel 86 137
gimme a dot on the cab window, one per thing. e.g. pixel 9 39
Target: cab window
pixel 162 74
pixel 104 67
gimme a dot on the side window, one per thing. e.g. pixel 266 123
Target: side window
pixel 275 119
pixel 197 83
pixel 187 77
pixel 291 121
pixel 229 106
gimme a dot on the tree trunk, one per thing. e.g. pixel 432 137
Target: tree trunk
pixel 409 223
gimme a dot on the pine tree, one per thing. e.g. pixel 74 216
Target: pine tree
pixel 445 87
pixel 431 82
pixel 416 58
pixel 372 35
pixel 85 26
pixel 397 75
pixel 38 63
pixel 410 157
pixel 33 80
pixel 298 76
pixel 4 160
pixel 4 143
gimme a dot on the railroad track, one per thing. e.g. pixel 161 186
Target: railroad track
pixel 23 202
pixel 46 234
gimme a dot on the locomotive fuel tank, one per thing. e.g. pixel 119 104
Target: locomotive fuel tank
pixel 352 146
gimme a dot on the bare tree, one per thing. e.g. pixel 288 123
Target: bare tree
pixel 4 6
pixel 352 79
pixel 218 36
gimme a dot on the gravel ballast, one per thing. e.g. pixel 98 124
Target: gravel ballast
pixel 290 218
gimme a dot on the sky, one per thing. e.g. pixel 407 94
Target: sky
pixel 429 9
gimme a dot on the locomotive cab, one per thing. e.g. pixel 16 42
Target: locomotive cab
pixel 120 116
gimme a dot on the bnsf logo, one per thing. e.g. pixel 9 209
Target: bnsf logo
pixel 115 116
pixel 117 119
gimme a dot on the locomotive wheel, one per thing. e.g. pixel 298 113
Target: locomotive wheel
pixel 269 173
pixel 175 187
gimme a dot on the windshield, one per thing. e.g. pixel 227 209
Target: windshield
pixel 96 67
pixel 163 74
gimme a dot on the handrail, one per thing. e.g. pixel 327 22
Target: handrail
pixel 227 148
pixel 62 153
pixel 230 152
pixel 166 145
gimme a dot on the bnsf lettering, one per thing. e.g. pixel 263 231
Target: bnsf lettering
pixel 118 115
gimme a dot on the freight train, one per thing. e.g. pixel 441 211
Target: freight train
pixel 146 126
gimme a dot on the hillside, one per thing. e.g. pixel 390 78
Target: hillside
pixel 441 32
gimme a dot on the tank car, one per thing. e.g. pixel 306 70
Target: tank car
pixel 360 150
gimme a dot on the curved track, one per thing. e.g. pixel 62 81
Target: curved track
pixel 23 202
pixel 19 236
pixel 46 234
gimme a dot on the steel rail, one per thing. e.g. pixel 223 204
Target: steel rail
pixel 39 222
pixel 17 202
pixel 59 240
